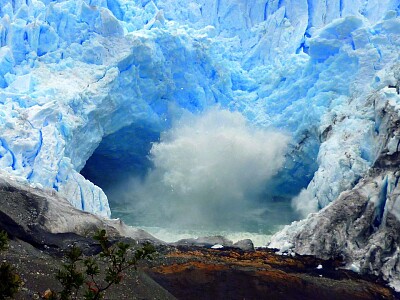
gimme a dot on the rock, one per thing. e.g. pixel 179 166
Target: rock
pixel 235 274
pixel 206 242
pixel 47 294
pixel 245 245
pixel 50 222
pixel 213 241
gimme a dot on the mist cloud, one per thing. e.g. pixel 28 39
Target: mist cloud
pixel 208 169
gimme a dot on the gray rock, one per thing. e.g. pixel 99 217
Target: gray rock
pixel 206 242
pixel 45 219
pixel 245 245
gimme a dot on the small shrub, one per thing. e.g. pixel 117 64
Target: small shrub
pixel 69 276
pixel 10 281
pixel 3 241
pixel 100 272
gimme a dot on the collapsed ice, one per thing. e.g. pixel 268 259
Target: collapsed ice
pixel 209 171
pixel 84 79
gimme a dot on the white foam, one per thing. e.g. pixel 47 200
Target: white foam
pixel 209 170
pixel 174 235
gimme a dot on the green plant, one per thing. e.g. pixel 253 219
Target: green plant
pixel 10 281
pixel 69 276
pixel 100 272
pixel 3 240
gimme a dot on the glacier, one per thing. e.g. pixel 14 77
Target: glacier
pixel 89 86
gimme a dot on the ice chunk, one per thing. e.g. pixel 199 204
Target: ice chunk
pixel 6 64
pixel 331 38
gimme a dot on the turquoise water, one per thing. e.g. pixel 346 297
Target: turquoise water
pixel 257 225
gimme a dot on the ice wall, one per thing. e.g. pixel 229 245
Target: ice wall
pixel 79 74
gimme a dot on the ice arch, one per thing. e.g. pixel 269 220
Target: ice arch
pixel 212 169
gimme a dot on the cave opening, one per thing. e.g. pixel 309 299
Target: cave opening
pixel 199 180
pixel 121 155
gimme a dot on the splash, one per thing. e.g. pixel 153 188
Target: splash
pixel 209 171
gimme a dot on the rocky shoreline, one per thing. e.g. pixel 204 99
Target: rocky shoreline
pixel 187 272
pixel 200 273
pixel 42 227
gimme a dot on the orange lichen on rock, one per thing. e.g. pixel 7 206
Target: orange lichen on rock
pixel 200 273
pixel 177 268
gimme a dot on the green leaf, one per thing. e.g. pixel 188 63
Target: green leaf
pixel 3 240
